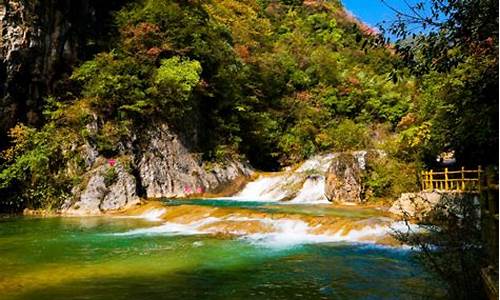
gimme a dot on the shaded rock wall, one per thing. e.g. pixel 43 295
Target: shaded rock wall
pixel 40 41
pixel 168 169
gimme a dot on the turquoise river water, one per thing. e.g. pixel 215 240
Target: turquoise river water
pixel 130 258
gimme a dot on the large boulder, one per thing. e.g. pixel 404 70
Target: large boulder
pixel 417 206
pixel 343 179
pixel 107 188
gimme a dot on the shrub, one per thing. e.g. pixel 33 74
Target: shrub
pixel 451 246
pixel 387 177
pixel 33 172
pixel 348 135
pixel 110 176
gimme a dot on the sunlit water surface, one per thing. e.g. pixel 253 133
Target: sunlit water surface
pixel 90 258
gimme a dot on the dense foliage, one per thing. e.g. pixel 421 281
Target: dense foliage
pixel 272 81
pixel 457 66
pixel 457 110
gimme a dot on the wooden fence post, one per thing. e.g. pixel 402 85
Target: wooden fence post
pixel 422 180
pixel 445 179
pixel 427 185
pixel 479 178
pixel 463 179
pixel 430 180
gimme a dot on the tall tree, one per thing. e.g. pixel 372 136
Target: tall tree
pixel 455 54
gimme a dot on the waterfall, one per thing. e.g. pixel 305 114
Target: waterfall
pixel 302 185
pixel 265 188
pixel 312 191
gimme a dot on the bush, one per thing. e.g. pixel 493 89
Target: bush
pixel 110 176
pixel 348 135
pixel 33 172
pixel 451 246
pixel 387 177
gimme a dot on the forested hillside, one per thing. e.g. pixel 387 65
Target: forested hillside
pixel 273 82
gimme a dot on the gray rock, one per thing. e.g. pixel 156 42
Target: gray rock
pixel 168 169
pixel 89 155
pixel 39 42
pixel 165 168
pixel 96 197
pixel 344 177
pixel 121 193
pixel 343 180
pixel 418 205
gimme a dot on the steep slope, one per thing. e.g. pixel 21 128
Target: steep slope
pixel 192 84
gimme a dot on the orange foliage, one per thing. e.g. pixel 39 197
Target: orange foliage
pixel 141 39
pixel 242 51
pixel 303 96
pixel 154 52
pixel 407 121
pixel 353 80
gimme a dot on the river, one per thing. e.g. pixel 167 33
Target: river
pixel 211 249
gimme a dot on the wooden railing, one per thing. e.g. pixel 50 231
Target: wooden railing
pixel 461 180
pixel 485 186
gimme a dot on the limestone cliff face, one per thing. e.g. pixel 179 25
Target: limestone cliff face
pixel 159 166
pixel 40 40
pixel 168 169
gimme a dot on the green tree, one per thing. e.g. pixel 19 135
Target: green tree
pixel 457 60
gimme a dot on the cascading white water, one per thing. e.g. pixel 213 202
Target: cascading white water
pixel 265 188
pixel 304 185
pixel 282 233
pixel 312 192
pixel 153 214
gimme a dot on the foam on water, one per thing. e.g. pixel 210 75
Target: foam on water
pixel 283 185
pixel 287 233
pixel 171 228
pixel 312 192
pixel 284 232
pixel 310 176
pixel 265 188
pixel 150 215
pixel 318 163
pixel 295 232
pixel 153 214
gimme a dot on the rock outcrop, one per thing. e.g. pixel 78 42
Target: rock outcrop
pixel 108 188
pixel 343 180
pixel 417 206
pixel 344 176
pixel 168 169
pixel 160 167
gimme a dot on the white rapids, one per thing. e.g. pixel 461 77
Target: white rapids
pixel 284 232
pixel 304 185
